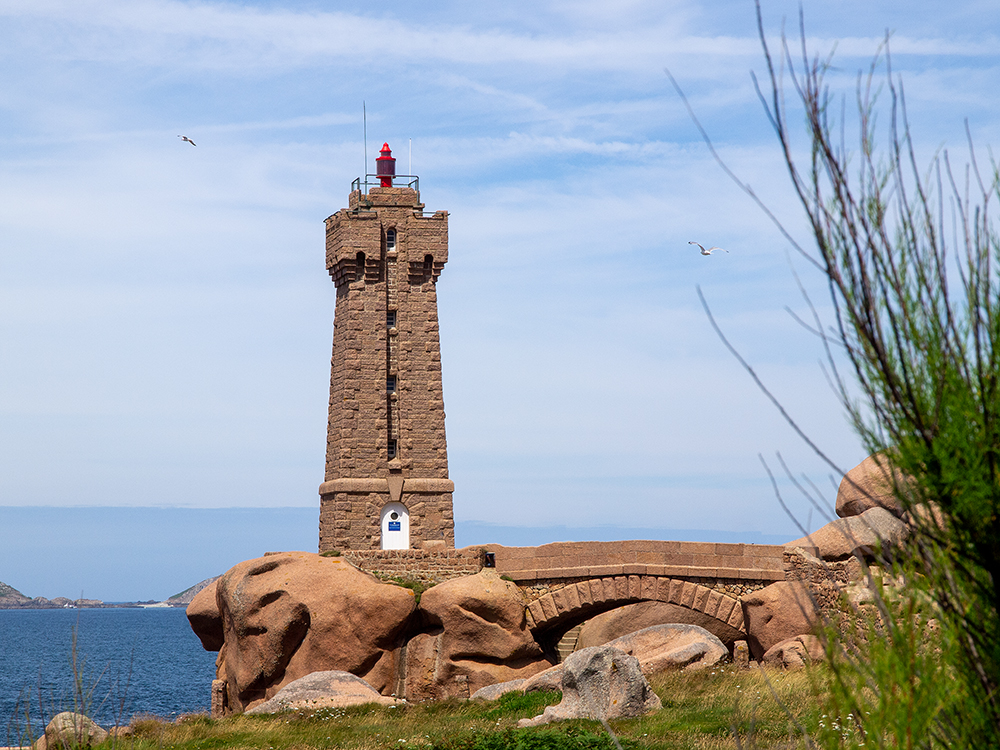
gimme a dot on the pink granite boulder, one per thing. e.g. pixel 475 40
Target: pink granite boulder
pixel 330 689
pixel 660 648
pixel 289 614
pixel 858 536
pixel 672 646
pixel 205 619
pixel 474 634
pixel 795 652
pixel 871 484
pixel 776 613
pixel 629 618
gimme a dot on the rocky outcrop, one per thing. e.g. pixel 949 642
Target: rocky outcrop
pixel 282 621
pixel 11 598
pixel 776 613
pixel 547 681
pixel 474 634
pixel 672 647
pixel 615 623
pixel 858 536
pixel 657 649
pixel 494 691
pixel 187 595
pixel 600 683
pixel 332 689
pixel 278 618
pixel 70 731
pixel 205 618
pixel 868 485
pixel 795 652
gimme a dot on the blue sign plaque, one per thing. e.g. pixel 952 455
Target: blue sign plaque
pixel 394 526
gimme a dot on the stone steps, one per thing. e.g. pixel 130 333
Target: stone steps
pixel 567 644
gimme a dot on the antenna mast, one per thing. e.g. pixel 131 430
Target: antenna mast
pixel 364 119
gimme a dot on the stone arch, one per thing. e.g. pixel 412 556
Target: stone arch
pixel 580 600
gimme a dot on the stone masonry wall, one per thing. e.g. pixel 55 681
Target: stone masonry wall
pixel 350 520
pixel 426 566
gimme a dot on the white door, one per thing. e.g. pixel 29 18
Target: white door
pixel 395 527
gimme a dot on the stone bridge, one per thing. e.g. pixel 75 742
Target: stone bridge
pixel 566 583
pixel 569 582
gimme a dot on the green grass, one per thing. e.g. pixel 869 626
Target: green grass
pixel 700 711
pixel 416 586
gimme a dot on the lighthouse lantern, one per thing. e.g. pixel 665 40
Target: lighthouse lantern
pixel 385 166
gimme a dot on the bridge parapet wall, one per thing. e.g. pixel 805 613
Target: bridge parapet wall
pixel 704 561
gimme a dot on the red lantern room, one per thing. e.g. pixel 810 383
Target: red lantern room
pixel 385 166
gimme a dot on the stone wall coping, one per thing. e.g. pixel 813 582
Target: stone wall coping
pixel 671 571
pixel 632 551
pixel 411 485
pixel 415 554
pixel 646 545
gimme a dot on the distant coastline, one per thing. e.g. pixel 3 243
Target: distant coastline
pixel 11 598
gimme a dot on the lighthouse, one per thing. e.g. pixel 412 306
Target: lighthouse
pixel 386 484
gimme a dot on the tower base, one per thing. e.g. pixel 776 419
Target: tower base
pixel 352 514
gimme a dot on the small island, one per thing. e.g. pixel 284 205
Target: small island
pixel 11 598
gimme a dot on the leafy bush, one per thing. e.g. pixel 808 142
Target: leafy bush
pixel 917 315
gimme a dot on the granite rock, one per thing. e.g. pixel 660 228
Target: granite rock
pixel 620 621
pixel 795 652
pixel 329 689
pixel 672 647
pixel 474 634
pixel 290 614
pixel 857 536
pixel 70 730
pixel 205 618
pixel 870 484
pixel 601 683
pixel 776 613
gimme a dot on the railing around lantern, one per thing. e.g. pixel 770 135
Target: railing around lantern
pixel 374 180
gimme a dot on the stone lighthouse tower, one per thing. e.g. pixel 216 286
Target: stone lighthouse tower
pixel 386 484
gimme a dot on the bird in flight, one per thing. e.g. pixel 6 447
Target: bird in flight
pixel 708 251
pixel 185 138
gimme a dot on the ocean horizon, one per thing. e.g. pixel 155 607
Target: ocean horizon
pixel 133 554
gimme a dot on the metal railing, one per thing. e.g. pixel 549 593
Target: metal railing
pixel 374 180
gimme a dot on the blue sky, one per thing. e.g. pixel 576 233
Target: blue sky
pixel 165 314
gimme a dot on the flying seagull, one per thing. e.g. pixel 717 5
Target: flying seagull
pixel 185 138
pixel 708 251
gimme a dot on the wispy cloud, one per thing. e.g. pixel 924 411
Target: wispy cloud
pixel 241 39
pixel 165 314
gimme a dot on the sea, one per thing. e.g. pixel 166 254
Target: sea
pixel 128 662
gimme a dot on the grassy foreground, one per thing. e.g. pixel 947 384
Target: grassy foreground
pixel 700 710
